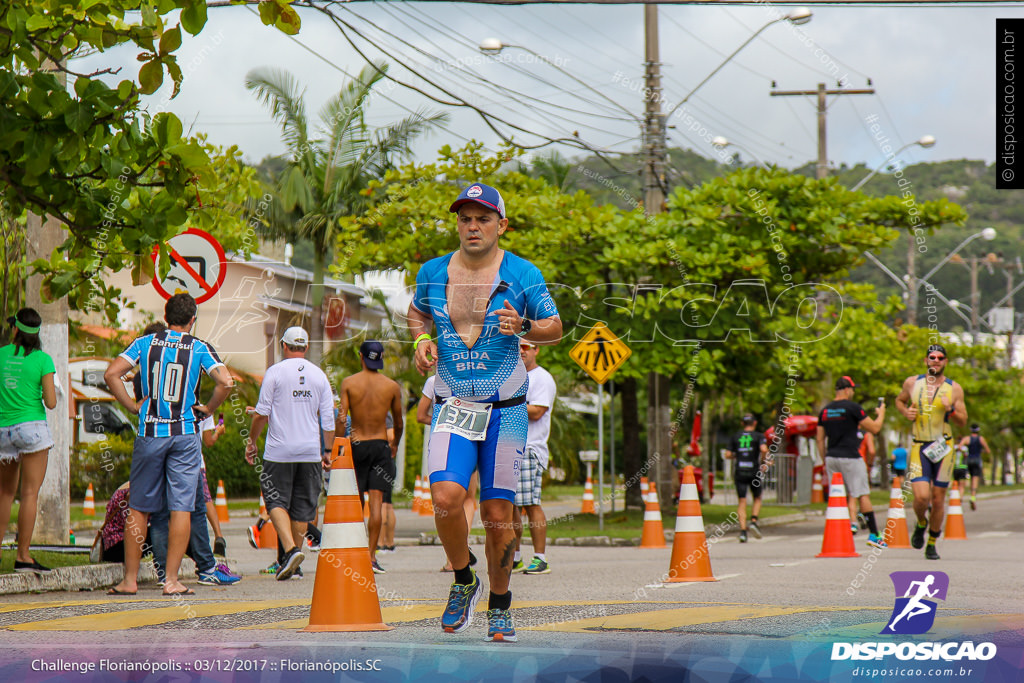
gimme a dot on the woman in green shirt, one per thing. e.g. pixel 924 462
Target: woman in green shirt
pixel 26 384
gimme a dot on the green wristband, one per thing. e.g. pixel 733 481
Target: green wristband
pixel 416 344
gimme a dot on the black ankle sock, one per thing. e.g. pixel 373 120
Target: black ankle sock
pixel 934 534
pixel 259 524
pixel 496 601
pixel 872 524
pixel 313 533
pixel 753 518
pixel 464 576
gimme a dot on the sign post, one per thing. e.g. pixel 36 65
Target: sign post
pixel 600 353
pixel 198 266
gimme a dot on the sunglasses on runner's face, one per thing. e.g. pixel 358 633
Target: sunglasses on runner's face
pixel 526 347
pixel 936 358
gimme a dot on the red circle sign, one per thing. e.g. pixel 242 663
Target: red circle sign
pixel 198 266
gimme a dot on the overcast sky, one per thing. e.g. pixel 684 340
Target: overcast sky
pixel 933 70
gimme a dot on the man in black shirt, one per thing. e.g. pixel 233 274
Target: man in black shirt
pixel 748 448
pixel 839 422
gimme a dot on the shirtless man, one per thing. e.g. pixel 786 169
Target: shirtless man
pixel 369 396
pixel 483 301
pixel 931 401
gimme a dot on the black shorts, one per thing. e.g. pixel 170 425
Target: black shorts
pixel 292 486
pixel 753 482
pixel 974 469
pixel 375 468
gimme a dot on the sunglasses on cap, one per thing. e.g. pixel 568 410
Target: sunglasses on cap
pixel 933 356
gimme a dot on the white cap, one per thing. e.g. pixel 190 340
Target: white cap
pixel 295 336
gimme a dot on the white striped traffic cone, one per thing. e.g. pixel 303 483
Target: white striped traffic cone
pixel 955 530
pixel 417 495
pixel 221 503
pixel 896 535
pixel 838 538
pixel 89 506
pixel 690 558
pixel 653 535
pixel 588 499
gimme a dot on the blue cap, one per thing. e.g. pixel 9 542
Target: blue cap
pixel 485 195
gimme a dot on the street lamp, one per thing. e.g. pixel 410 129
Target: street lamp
pixel 926 141
pixel 798 17
pixel 494 46
pixel 721 143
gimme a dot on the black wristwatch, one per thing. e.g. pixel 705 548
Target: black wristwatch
pixel 527 326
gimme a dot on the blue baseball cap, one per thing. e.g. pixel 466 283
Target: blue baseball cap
pixel 484 195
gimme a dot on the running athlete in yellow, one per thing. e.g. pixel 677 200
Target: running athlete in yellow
pixel 931 401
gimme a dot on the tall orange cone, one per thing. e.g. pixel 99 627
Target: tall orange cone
pixel 221 503
pixel 426 502
pixel 653 535
pixel 268 534
pixel 896 535
pixel 955 530
pixel 817 491
pixel 588 498
pixel 417 495
pixel 838 539
pixel 690 559
pixel 345 590
pixel 89 506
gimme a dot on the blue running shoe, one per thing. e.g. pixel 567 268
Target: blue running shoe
pixel 217 578
pixel 500 628
pixel 877 542
pixel 461 602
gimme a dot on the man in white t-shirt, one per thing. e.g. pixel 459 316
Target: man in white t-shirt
pixel 297 401
pixel 540 398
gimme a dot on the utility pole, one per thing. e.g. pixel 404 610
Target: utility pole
pixel 822 92
pixel 659 445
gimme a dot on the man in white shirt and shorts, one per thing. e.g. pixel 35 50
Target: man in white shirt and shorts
pixel 293 393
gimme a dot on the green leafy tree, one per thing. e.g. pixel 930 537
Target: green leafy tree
pixel 328 169
pixel 120 181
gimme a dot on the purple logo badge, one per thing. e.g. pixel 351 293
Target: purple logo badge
pixel 914 611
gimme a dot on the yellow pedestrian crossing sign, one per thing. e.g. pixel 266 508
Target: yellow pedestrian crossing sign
pixel 600 352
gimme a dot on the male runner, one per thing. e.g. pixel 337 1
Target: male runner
pixel 369 396
pixel 840 421
pixel 749 449
pixel 483 300
pixel 931 401
pixel 975 444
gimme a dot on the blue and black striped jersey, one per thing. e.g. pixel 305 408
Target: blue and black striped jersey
pixel 170 366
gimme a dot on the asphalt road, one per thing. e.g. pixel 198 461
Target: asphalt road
pixel 773 604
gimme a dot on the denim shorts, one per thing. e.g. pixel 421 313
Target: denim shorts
pixel 165 473
pixel 25 437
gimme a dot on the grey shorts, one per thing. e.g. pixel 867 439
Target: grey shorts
pixel 292 486
pixel 165 473
pixel 24 437
pixel 855 475
pixel 531 475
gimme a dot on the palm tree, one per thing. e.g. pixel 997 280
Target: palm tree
pixel 327 169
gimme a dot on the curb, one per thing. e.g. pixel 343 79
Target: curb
pixel 87 577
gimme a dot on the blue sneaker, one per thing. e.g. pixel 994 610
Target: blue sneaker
pixel 462 601
pixel 500 628
pixel 877 542
pixel 217 578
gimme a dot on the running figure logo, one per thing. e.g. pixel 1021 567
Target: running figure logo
pixel 913 612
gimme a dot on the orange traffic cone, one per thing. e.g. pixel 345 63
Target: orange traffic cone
pixel 221 503
pixel 895 534
pixel 426 502
pixel 366 506
pixel 838 539
pixel 588 498
pixel 955 530
pixel 89 506
pixel 817 491
pixel 645 489
pixel 345 591
pixel 690 559
pixel 417 495
pixel 268 534
pixel 653 535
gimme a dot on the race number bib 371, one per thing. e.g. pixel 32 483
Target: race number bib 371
pixel 936 450
pixel 465 418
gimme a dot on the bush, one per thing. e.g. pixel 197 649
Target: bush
pixel 105 464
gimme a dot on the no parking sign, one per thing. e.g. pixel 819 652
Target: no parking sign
pixel 198 266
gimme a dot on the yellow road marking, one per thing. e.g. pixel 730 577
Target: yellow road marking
pixel 664 620
pixel 177 610
pixel 944 627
